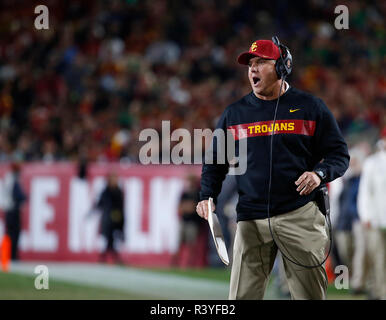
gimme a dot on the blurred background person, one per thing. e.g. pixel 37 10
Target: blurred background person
pixel 191 227
pixel 350 240
pixel 372 212
pixel 334 190
pixel 13 198
pixel 110 204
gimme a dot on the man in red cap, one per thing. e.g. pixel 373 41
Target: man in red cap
pixel 261 59
pixel 293 146
pixel 13 198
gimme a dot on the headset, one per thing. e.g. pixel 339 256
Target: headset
pixel 283 68
pixel 283 65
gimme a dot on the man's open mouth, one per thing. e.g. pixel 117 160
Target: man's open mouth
pixel 255 80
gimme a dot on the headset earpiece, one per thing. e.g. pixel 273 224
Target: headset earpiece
pixel 283 65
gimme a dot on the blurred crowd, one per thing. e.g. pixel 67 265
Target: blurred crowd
pixel 105 70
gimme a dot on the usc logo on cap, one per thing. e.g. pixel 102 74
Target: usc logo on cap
pixel 253 47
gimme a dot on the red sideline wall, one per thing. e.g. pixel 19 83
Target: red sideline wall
pixel 57 224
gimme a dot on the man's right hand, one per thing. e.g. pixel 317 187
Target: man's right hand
pixel 202 209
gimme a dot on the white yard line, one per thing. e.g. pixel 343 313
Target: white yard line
pixel 143 283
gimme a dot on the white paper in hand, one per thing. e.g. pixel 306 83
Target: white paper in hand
pixel 215 229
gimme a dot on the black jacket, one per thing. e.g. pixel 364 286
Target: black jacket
pixel 306 133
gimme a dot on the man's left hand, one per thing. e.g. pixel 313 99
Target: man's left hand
pixel 307 182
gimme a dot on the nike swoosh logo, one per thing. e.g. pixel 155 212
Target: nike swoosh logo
pixel 293 110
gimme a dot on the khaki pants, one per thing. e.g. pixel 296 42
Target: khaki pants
pixel 301 234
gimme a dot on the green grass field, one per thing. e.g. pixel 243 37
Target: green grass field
pixel 15 286
pixel 224 275
pixel 219 274
pixel 20 286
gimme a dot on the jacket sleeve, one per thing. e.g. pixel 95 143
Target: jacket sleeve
pixel 214 174
pixel 330 146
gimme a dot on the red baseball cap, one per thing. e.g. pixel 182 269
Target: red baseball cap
pixel 260 48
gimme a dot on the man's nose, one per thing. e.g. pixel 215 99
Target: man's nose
pixel 254 67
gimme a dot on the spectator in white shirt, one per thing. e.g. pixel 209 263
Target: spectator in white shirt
pixel 372 212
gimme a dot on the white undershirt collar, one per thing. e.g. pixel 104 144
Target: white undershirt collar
pixel 287 86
